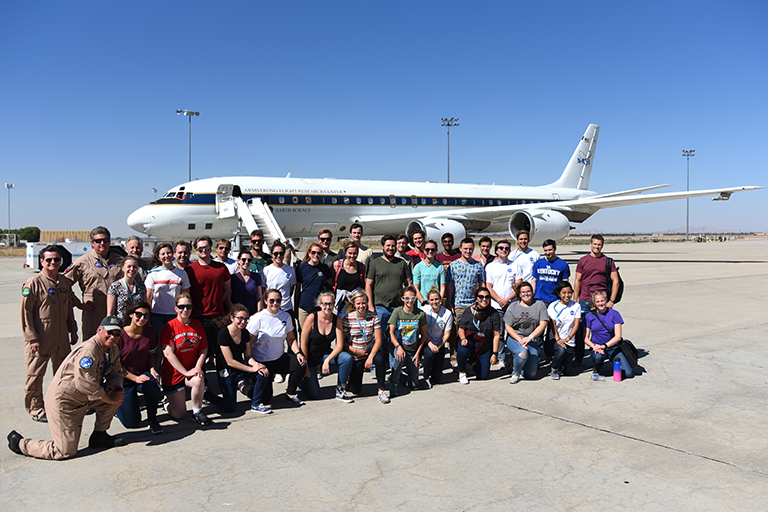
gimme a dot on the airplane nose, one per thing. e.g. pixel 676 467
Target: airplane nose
pixel 139 220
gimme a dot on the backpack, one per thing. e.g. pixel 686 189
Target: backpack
pixel 609 281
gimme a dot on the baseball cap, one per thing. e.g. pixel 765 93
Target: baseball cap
pixel 112 323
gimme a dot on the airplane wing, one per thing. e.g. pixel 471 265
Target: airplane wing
pixel 589 205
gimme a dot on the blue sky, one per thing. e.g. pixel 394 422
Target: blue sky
pixel 356 90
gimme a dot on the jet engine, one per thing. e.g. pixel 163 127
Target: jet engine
pixel 541 224
pixel 436 228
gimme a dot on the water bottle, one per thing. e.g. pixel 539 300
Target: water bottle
pixel 617 371
pixel 596 377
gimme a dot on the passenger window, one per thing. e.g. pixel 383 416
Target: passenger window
pixel 333 200
pixel 308 200
pixel 190 226
pixel 358 200
pixel 295 200
pixel 370 200
pixel 209 225
pixel 346 200
pixel 281 200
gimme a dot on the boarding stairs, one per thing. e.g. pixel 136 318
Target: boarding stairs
pixel 252 215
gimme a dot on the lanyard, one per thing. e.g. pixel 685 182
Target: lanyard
pixel 362 329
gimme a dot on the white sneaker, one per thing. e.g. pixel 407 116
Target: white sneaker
pixel 501 364
pixel 515 378
pixel 279 378
pixel 463 378
pixel 383 398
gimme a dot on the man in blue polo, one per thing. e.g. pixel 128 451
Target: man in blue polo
pixel 547 273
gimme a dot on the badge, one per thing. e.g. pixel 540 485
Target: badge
pixel 86 363
pixel 283 323
pixel 52 290
pixel 320 273
pixel 25 291
pixel 98 264
pixel 101 366
pixel 62 290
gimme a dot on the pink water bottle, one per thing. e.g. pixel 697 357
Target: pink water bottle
pixel 617 371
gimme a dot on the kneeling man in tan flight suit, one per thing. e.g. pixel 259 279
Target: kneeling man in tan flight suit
pixel 91 377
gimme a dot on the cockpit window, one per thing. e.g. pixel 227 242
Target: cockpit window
pixel 170 194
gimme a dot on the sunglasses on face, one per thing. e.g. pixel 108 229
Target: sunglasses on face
pixel 278 254
pixel 205 248
pixel 184 306
pixel 139 315
pixel 409 299
pixel 113 333
pixel 52 260
pixel 274 301
pixel 326 304
pixel 315 252
pixel 429 249
pixel 502 248
pixel 325 239
pixel 100 240
pixel 256 241
pixel 223 248
pixel 246 260
pixel 483 297
pixel 241 318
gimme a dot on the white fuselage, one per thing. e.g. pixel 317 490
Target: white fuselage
pixel 304 206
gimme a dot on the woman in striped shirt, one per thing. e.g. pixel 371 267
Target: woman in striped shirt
pixel 363 333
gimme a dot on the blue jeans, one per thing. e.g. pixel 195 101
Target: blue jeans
pixel 433 364
pixel 128 413
pixel 310 384
pixel 397 369
pixel 262 387
pixel 482 366
pixel 158 321
pixel 563 358
pixel 227 403
pixel 614 353
pixel 384 314
pixel 579 352
pixel 526 359
pixel 502 354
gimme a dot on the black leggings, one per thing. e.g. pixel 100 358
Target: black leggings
pixel 358 368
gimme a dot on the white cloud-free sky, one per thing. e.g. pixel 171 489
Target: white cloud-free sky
pixel 351 89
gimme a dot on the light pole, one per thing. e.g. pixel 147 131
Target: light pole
pixel 154 191
pixel 688 153
pixel 189 114
pixel 449 121
pixel 9 186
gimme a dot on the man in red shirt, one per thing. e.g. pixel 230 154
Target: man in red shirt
pixel 210 287
pixel 418 241
pixel 591 276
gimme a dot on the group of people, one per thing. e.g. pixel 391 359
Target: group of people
pixel 154 330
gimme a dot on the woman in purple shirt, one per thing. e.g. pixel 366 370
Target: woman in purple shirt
pixel 603 334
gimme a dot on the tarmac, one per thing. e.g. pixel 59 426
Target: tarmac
pixel 689 433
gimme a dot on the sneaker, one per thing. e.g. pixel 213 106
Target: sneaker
pixel 515 378
pixel 502 365
pixel 279 379
pixel 427 384
pixel 463 378
pixel 293 399
pixel 41 419
pixel 155 428
pixel 392 390
pixel 165 403
pixel 103 440
pixel 14 438
pixel 341 395
pixel 555 375
pixel 383 398
pixel 201 418
pixel 261 408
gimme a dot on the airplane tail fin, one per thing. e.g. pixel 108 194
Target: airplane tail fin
pixel 576 173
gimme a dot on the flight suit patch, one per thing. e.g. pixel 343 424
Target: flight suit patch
pixel 25 291
pixel 86 363
pixel 98 264
pixel 52 290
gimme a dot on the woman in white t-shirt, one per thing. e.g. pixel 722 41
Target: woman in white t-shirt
pixel 281 277
pixel 272 328
pixel 565 316
pixel 164 283
pixel 439 324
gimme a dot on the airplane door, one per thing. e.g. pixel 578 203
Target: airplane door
pixel 555 196
pixel 225 204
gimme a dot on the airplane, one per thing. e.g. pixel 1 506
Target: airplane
pixel 298 208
